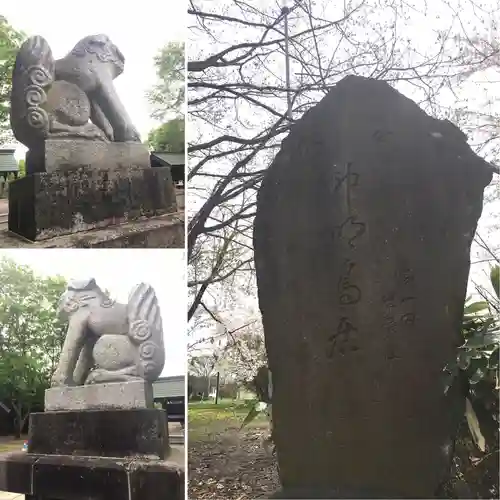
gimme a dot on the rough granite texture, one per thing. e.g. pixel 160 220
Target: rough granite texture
pixel 120 395
pixel 362 239
pixel 56 98
pixel 100 433
pixel 46 477
pixel 107 341
pixel 68 154
pixel 46 205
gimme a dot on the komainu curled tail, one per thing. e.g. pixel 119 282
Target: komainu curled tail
pixel 145 330
pixel 34 73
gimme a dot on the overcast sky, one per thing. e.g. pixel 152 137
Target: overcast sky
pixel 118 270
pixel 139 29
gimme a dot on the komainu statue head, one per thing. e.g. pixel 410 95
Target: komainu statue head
pixel 82 293
pixel 103 48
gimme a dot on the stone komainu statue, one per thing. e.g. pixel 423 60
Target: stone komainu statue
pixel 107 341
pixel 57 98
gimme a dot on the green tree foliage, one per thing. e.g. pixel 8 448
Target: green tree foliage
pixel 23 381
pixel 478 360
pixel 31 336
pixel 168 96
pixel 10 41
pixel 169 137
pixel 22 168
pixel 476 460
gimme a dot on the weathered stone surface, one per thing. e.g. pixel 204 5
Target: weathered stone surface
pixel 109 342
pixel 331 494
pixel 70 154
pixel 362 239
pixel 67 478
pixel 68 103
pixel 45 205
pixel 15 472
pixel 59 154
pixel 100 433
pixel 33 73
pixel 122 395
pixel 164 231
pixel 56 98
pixel 181 199
pixel 157 232
pixel 93 64
pixel 153 480
pixel 62 476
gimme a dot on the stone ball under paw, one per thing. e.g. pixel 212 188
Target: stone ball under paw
pixel 68 103
pixel 113 352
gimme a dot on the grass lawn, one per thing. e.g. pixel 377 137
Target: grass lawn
pixel 224 461
pixel 207 418
pixel 11 444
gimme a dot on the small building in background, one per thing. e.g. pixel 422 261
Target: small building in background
pixel 169 387
pixel 176 162
pixel 170 392
pixel 9 170
pixel 8 163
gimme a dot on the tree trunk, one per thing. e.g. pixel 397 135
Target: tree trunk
pixel 20 420
pixel 208 386
pixel 17 420
pixel 217 388
pixel 23 422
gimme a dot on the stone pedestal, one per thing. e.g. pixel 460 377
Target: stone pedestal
pixel 66 154
pixel 101 454
pixel 162 231
pixel 62 477
pixel 100 433
pixel 46 205
pixel 107 396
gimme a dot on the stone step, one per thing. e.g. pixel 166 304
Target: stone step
pixel 176 439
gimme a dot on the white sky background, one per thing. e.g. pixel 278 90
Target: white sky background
pixel 139 29
pixel 118 270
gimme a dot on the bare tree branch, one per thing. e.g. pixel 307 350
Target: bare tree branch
pixel 237 99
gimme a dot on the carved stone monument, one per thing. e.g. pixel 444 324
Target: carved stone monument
pixel 362 237
pixel 100 433
pixel 86 165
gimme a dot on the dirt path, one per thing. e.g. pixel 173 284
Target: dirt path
pixel 231 466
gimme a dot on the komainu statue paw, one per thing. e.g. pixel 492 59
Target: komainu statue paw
pixel 60 380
